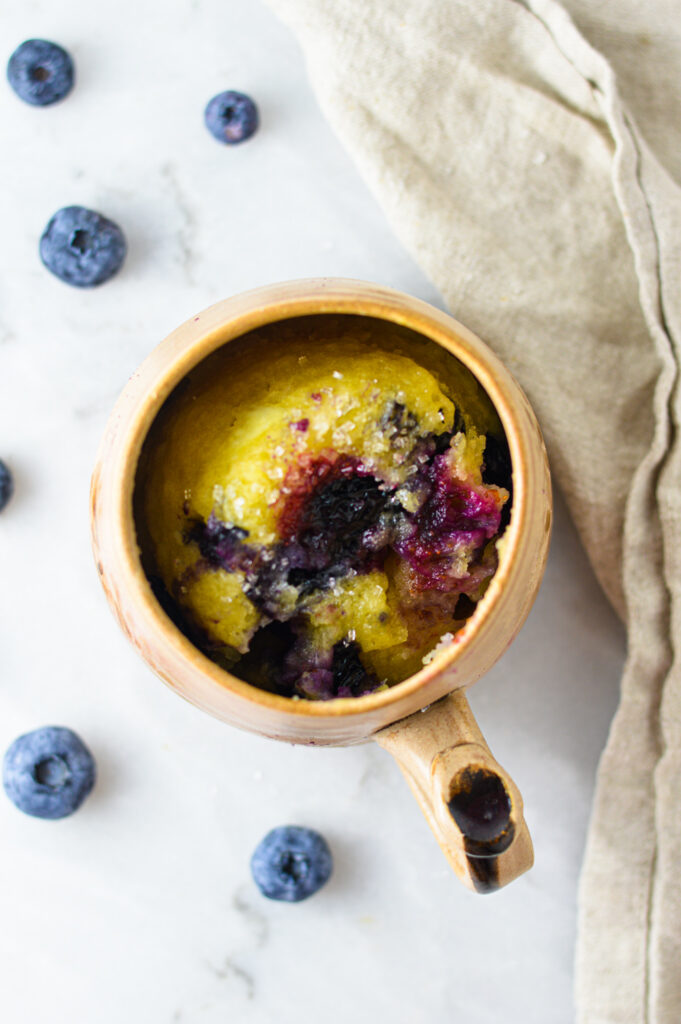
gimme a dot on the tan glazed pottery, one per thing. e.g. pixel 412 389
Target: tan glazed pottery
pixel 471 804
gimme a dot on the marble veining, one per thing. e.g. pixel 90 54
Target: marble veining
pixel 230 969
pixel 184 235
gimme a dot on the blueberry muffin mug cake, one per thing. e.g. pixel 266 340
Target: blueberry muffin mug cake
pixel 319 509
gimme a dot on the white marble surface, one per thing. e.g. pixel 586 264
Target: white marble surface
pixel 140 907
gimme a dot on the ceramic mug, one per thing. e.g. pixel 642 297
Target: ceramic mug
pixel 471 804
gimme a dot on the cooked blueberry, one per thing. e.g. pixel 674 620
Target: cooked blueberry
pixel 350 678
pixel 267 576
pixel 337 513
pixel 6 485
pixel 453 514
pixel 291 863
pixel 322 674
pixel 231 117
pixel 307 581
pixel 218 542
pixel 82 247
pixel 40 72
pixel 398 422
pixel 315 684
pixel 48 772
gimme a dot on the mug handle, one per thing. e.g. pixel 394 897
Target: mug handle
pixel 473 807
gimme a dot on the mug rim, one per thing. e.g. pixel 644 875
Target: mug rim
pixel 223 322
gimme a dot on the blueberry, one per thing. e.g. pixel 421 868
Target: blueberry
pixel 82 247
pixel 6 485
pixel 40 72
pixel 48 772
pixel 231 117
pixel 291 863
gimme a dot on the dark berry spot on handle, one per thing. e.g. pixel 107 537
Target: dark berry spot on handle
pixel 480 806
pixel 484 872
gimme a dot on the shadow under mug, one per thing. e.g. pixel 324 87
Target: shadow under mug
pixel 471 804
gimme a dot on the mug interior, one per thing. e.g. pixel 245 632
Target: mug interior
pixel 428 349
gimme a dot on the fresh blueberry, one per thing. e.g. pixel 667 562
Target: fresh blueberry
pixel 6 485
pixel 48 772
pixel 231 117
pixel 82 247
pixel 291 863
pixel 40 72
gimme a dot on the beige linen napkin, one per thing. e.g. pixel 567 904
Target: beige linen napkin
pixel 531 164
